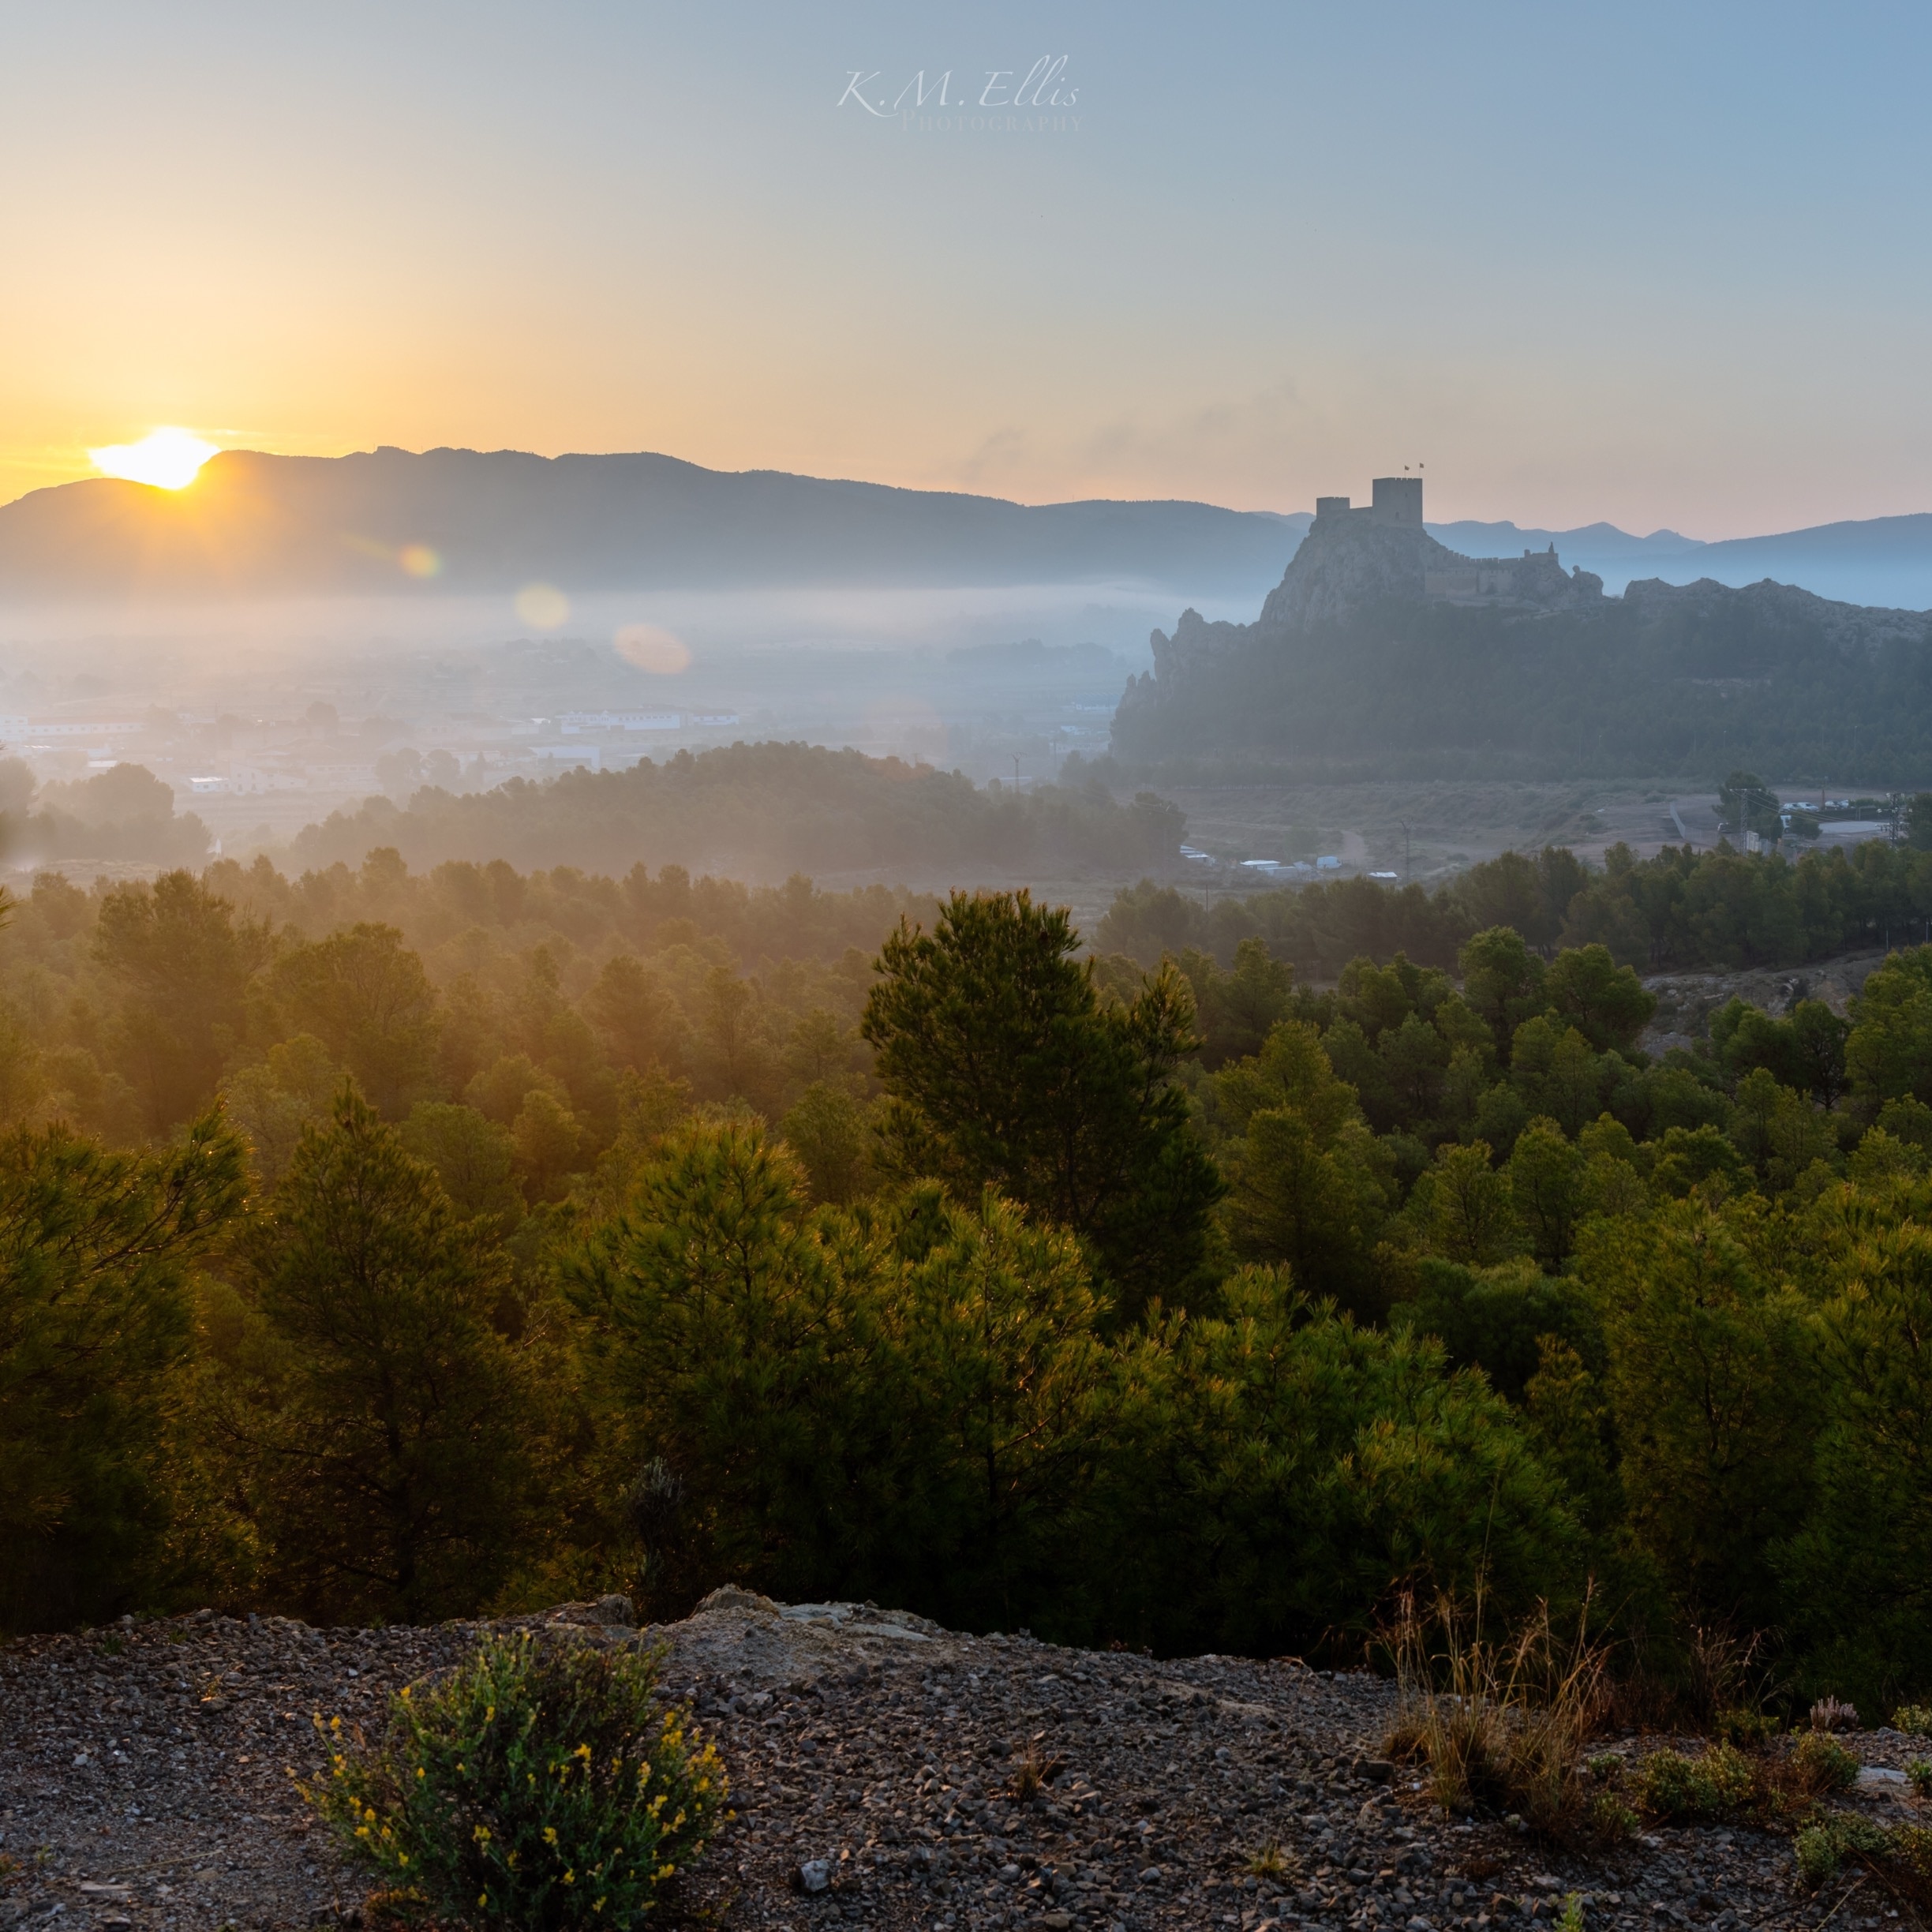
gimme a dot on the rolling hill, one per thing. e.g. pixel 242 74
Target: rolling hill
pixel 379 521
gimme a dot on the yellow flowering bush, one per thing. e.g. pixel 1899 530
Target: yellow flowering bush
pixel 537 1786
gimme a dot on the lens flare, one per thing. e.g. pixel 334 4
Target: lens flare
pixel 420 560
pixel 542 606
pixel 165 459
pixel 652 648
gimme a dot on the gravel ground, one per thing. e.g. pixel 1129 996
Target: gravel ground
pixel 144 1783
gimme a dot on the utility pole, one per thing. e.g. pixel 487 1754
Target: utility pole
pixel 1408 863
pixel 1016 774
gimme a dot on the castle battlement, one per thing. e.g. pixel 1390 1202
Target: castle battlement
pixel 1396 500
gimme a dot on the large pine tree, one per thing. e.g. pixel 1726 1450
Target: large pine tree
pixel 1006 1068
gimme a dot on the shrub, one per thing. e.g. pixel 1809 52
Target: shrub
pixel 1818 1764
pixel 1918 1776
pixel 536 1786
pixel 1717 1784
pixel 1900 1859
pixel 1816 1854
pixel 1722 1785
pixel 1905 1863
pixel 1609 1818
pixel 1749 1730
pixel 1914 1720
pixel 1829 1714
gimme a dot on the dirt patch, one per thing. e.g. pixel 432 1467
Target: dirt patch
pixel 1685 1002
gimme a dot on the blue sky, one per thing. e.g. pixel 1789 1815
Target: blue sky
pixel 1666 266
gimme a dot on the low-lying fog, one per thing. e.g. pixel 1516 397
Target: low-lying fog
pixel 265 717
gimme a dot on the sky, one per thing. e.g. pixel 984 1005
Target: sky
pixel 1664 265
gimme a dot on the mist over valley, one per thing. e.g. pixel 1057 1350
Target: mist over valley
pixel 1123 1123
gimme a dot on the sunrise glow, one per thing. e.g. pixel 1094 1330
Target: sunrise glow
pixel 166 459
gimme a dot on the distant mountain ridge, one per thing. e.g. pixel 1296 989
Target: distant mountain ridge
pixel 493 521
pixel 1885 561
pixel 388 521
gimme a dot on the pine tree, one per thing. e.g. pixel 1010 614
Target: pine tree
pixel 96 1334
pixel 1005 1069
pixel 381 1419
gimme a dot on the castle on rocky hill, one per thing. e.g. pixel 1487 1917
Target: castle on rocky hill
pixel 1355 554
pixel 1373 571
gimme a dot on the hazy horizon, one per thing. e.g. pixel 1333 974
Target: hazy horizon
pixel 1268 253
pixel 447 527
pixel 1520 518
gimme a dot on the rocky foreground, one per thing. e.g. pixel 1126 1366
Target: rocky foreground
pixel 145 1783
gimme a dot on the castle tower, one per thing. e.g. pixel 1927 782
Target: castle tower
pixel 1398 499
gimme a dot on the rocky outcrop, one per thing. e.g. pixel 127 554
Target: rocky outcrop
pixel 1768 608
pixel 1342 564
pixel 1194 640
pixel 1345 564
pixel 1686 1001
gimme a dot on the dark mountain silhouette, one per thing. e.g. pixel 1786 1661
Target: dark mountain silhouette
pixel 275 524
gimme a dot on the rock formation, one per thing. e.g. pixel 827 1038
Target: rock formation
pixel 1342 565
pixel 1767 607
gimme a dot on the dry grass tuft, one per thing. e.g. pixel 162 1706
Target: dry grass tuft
pixel 1501 1726
pixel 1723 1672
pixel 1715 1681
pixel 1032 1772
pixel 1272 1861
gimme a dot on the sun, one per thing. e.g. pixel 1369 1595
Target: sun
pixel 167 458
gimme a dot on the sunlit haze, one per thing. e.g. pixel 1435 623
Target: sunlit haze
pixel 1664 266
pixel 1110 820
